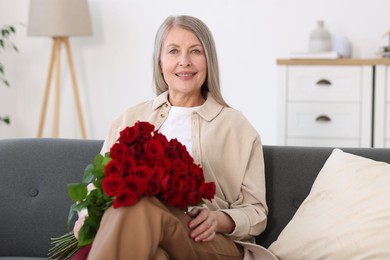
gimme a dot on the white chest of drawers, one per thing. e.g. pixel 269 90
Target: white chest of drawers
pixel 334 103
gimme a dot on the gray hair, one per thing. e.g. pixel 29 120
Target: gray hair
pixel 202 32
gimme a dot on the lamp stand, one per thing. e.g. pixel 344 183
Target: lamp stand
pixel 55 61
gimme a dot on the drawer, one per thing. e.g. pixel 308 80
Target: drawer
pixel 324 83
pixel 335 120
pixel 323 142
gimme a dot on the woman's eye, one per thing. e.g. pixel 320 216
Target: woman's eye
pixel 173 51
pixel 196 51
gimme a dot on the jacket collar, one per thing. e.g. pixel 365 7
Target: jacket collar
pixel 209 110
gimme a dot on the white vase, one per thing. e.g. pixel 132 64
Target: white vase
pixel 320 39
pixel 342 46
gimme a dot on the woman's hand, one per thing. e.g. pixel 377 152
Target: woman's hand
pixel 205 224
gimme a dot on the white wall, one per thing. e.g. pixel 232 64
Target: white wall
pixel 113 67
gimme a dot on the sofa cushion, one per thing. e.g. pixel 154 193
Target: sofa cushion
pixel 34 200
pixel 345 216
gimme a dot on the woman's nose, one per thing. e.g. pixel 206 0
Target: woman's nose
pixel 185 61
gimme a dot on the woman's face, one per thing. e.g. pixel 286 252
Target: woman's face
pixel 183 63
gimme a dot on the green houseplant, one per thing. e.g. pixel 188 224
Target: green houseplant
pixel 6 43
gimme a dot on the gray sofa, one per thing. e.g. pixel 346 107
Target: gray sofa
pixel 34 172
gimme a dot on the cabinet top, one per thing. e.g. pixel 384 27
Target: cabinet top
pixel 373 61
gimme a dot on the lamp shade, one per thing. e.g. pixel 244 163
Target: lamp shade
pixel 59 18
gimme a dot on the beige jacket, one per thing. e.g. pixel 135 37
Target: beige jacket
pixel 230 152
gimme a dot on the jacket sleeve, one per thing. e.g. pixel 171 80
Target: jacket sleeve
pixel 250 210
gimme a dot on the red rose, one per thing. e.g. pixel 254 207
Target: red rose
pixel 158 174
pixel 180 165
pixel 136 150
pixel 119 151
pixel 192 184
pixel 143 172
pixel 145 127
pixel 179 184
pixel 194 197
pixel 129 135
pixel 181 150
pixel 208 190
pixel 196 172
pixel 175 199
pixel 154 148
pixel 136 184
pixel 112 185
pixel 172 152
pixel 162 138
pixel 146 160
pixel 166 183
pixel 153 187
pixel 114 167
pixel 164 163
pixel 125 198
pixel 128 164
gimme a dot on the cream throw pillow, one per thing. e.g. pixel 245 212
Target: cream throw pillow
pixel 345 216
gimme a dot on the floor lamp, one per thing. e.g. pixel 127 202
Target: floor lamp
pixel 59 19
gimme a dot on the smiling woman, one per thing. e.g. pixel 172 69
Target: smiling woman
pixel 189 106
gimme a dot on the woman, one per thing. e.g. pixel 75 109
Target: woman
pixel 189 106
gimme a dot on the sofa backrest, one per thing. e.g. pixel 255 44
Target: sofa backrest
pixel 290 173
pixel 34 202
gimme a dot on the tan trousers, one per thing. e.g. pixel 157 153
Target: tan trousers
pixel 151 230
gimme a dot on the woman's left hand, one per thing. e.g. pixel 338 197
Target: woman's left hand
pixel 205 224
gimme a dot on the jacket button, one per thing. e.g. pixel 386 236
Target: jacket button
pixel 162 115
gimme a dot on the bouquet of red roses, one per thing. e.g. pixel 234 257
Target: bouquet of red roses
pixel 141 163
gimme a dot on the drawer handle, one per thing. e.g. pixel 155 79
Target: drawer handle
pixel 323 118
pixel 324 83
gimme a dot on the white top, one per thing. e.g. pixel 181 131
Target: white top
pixel 178 125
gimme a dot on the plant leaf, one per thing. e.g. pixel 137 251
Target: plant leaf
pixel 77 191
pixel 88 176
pixel 98 160
pixel 70 216
pixel 86 234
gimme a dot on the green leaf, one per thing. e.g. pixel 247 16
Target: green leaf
pixel 70 217
pixel 87 234
pixel 77 191
pixel 80 205
pixel 6 120
pixel 76 207
pixel 98 184
pixel 98 160
pixel 95 214
pixel 106 160
pixel 4 33
pixel 88 176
